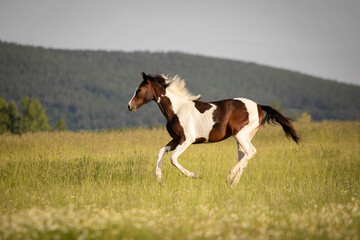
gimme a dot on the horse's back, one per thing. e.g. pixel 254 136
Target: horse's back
pixel 230 116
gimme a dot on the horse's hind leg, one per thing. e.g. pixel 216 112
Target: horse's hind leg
pixel 179 150
pixel 245 152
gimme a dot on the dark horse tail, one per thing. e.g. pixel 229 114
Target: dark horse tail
pixel 273 116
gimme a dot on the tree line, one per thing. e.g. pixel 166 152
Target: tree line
pixel 91 89
pixel 32 118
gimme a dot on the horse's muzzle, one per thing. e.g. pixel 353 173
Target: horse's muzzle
pixel 132 108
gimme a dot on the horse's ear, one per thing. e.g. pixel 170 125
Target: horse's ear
pixel 144 76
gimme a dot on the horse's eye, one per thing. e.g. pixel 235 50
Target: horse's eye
pixel 138 91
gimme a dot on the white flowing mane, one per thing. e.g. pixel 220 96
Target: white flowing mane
pixel 177 87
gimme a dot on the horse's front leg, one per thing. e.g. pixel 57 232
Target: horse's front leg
pixel 169 147
pixel 179 150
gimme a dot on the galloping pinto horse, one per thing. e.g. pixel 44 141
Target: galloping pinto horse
pixel 190 121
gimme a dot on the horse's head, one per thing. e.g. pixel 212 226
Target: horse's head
pixel 147 90
pixel 143 94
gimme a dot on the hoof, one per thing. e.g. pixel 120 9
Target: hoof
pixel 197 176
pixel 230 179
pixel 233 184
pixel 194 175
pixel 158 177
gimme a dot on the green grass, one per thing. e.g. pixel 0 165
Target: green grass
pixel 87 185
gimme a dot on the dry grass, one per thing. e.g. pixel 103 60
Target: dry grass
pixel 87 185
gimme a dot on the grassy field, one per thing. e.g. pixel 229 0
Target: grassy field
pixel 88 185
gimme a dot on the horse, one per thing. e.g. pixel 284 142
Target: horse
pixel 191 121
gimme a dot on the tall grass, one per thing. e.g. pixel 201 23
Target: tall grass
pixel 101 185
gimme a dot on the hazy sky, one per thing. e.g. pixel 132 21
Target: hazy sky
pixel 318 37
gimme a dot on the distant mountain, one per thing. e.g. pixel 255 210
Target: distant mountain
pixel 91 89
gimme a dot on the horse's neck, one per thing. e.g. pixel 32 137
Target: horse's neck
pixel 170 105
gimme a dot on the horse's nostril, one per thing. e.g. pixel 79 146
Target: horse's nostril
pixel 129 108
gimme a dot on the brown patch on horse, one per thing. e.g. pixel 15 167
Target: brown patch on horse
pixel 239 117
pixel 175 129
pixel 230 116
pixel 173 125
pixel 172 144
pixel 202 106
pixel 260 112
pixel 200 140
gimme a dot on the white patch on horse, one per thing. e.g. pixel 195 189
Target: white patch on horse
pixel 204 122
pixel 133 96
pixel 194 123
pixel 252 109
pixel 184 107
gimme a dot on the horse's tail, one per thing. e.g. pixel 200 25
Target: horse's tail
pixel 273 116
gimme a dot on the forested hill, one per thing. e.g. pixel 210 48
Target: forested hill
pixel 91 89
